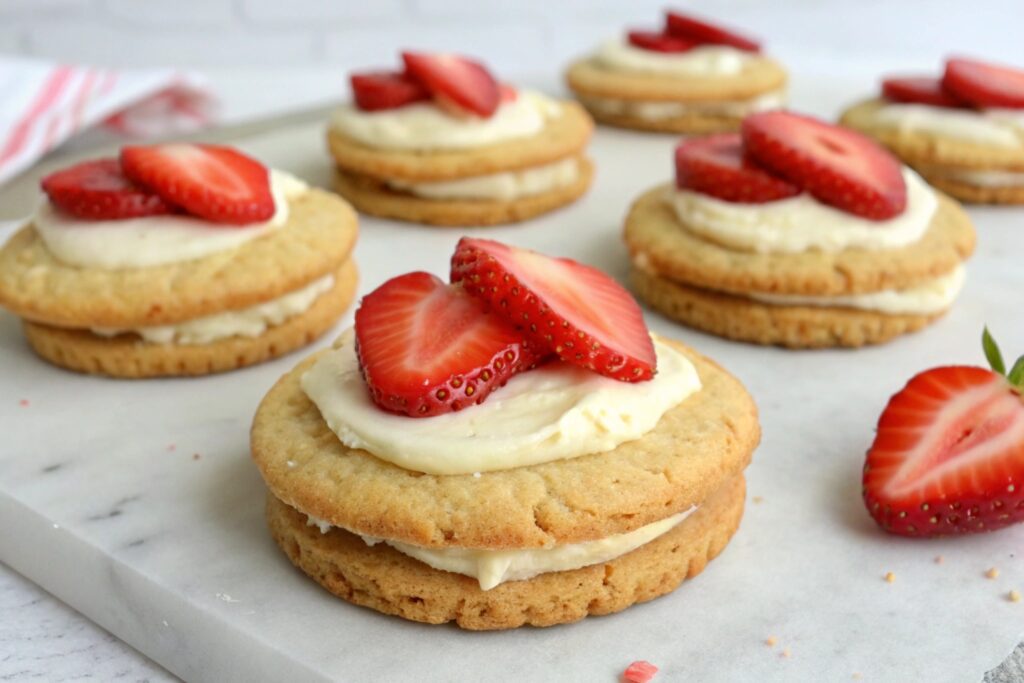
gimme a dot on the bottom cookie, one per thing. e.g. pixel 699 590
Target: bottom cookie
pixel 125 356
pixel 371 196
pixel 384 579
pixel 798 327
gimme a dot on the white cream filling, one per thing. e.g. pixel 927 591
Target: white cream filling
pixel 929 298
pixel 993 178
pixel 154 240
pixel 501 186
pixel 656 111
pixel 494 567
pixel 426 126
pixel 554 412
pixel 995 127
pixel 802 223
pixel 618 54
pixel 247 322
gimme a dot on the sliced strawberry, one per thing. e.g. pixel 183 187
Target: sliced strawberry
pixel 219 184
pixel 715 165
pixel 838 166
pixel 658 41
pixel 983 84
pixel 949 454
pixel 639 672
pixel 575 311
pixel 379 90
pixel 426 347
pixel 508 93
pixel 691 28
pixel 919 90
pixel 97 190
pixel 463 82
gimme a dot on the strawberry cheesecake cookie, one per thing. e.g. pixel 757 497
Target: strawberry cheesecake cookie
pixel 177 259
pixel 798 233
pixel 443 143
pixel 964 132
pixel 948 456
pixel 689 77
pixel 510 448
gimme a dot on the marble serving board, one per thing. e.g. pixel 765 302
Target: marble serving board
pixel 137 503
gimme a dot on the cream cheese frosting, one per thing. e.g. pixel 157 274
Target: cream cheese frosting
pixel 247 322
pixel 802 223
pixel 154 240
pixel 659 110
pixel 1002 128
pixel 499 186
pixel 554 412
pixel 494 567
pixel 988 178
pixel 704 60
pixel 426 126
pixel 934 296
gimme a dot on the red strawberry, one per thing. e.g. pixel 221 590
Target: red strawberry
pixel 919 89
pixel 426 347
pixel 508 93
pixel 639 672
pixel 378 90
pixel 659 42
pixel 689 27
pixel 983 84
pixel 463 82
pixel 572 310
pixel 217 183
pixel 949 454
pixel 715 165
pixel 837 165
pixel 97 190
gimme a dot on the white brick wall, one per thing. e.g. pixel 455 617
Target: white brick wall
pixel 517 36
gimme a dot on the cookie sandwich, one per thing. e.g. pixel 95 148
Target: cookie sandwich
pixel 510 448
pixel 177 259
pixel 798 233
pixel 963 131
pixel 441 142
pixel 690 77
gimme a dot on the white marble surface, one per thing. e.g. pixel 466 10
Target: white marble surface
pixel 169 552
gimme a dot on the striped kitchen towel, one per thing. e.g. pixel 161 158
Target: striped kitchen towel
pixel 43 104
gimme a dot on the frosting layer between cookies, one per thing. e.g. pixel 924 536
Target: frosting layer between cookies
pixel 995 127
pixel 425 126
pixel 555 412
pixel 248 322
pixel 154 240
pixel 704 60
pixel 928 298
pixel 494 567
pixel 651 110
pixel 500 186
pixel 802 223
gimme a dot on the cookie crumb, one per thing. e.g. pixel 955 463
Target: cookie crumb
pixel 1013 596
pixel 195 456
pixel 639 672
pixel 171 448
pixel 757 499
pixel 890 577
pixel 939 559
pixel 992 573
pixel 786 653
pixel 24 403
pixel 857 676
pixel 770 641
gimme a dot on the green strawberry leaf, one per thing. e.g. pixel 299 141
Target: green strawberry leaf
pixel 992 353
pixel 1016 375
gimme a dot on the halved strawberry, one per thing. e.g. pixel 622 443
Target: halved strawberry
pixel 426 347
pixel 639 672
pixel 837 165
pixel 508 93
pixel 217 183
pixel 689 27
pixel 379 90
pixel 463 82
pixel 97 190
pixel 983 84
pixel 659 41
pixel 949 454
pixel 575 311
pixel 919 90
pixel 715 165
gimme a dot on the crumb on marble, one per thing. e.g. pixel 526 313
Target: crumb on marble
pixel 787 653
pixel 939 559
pixel 770 641
pixel 857 675
pixel 992 573
pixel 758 499
pixel 1013 596
pixel 890 577
pixel 24 403
pixel 196 456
